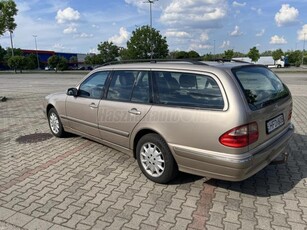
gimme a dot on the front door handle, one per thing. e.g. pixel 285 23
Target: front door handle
pixel 93 105
pixel 134 111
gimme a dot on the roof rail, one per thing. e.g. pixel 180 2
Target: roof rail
pixel 221 60
pixel 192 61
pixel 240 61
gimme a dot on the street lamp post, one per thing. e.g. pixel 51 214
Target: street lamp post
pixel 35 36
pixel 12 46
pixel 214 49
pixel 150 13
pixel 303 50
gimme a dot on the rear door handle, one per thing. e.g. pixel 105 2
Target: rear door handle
pixel 134 111
pixel 93 105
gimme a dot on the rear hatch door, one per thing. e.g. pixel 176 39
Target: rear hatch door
pixel 269 101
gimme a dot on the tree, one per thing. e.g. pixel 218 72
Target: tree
pixel 53 61
pixel 254 54
pixel 2 56
pixel 193 54
pixel 228 54
pixel 30 61
pixel 16 62
pixel 181 55
pixel 63 64
pixel 7 21
pixel 277 54
pixel 58 63
pixel 123 54
pixel 208 57
pixel 93 59
pixel 294 57
pixel 17 52
pixel 239 54
pixel 267 53
pixel 146 42
pixel 108 51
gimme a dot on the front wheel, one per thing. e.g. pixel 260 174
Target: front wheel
pixel 155 159
pixel 55 123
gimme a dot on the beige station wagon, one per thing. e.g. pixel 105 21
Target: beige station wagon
pixel 219 120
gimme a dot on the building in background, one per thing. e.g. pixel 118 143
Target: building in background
pixel 75 60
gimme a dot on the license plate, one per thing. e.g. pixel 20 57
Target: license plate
pixel 274 123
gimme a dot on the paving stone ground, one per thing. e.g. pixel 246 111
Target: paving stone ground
pixel 75 183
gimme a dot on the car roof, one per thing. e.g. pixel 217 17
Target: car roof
pixel 176 65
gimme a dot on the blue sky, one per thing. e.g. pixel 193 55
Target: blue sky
pixel 202 25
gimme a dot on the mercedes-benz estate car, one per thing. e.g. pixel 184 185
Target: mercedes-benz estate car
pixel 219 120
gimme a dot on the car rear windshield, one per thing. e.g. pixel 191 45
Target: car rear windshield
pixel 260 85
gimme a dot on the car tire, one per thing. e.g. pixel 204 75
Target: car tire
pixel 155 159
pixel 55 123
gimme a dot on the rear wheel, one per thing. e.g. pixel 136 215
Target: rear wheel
pixel 55 123
pixel 155 159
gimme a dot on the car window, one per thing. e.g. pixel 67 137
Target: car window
pixel 129 86
pixel 189 90
pixel 141 88
pixel 93 86
pixel 121 85
pixel 260 85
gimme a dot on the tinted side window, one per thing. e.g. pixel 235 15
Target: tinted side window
pixel 129 85
pixel 121 85
pixel 190 90
pixel 93 86
pixel 141 89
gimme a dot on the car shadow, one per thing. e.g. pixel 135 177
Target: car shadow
pixel 70 135
pixel 185 179
pixel 275 179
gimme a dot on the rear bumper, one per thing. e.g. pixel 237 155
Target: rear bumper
pixel 229 166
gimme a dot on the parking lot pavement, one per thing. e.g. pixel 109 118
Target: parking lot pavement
pixel 74 183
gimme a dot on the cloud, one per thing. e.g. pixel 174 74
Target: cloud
pixel 302 33
pixel 195 46
pixel 194 14
pixel 260 33
pixel 121 38
pixel 204 37
pixel 187 23
pixel 23 6
pixel 225 44
pixel 67 15
pixel 85 35
pixel 58 47
pixel 286 15
pixel 93 51
pixel 137 3
pixel 276 40
pixel 177 34
pixel 144 6
pixel 70 30
pixel 237 4
pixel 236 32
pixel 257 10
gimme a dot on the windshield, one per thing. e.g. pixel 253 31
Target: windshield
pixel 260 85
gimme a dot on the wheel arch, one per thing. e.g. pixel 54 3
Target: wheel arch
pixel 140 134
pixel 49 106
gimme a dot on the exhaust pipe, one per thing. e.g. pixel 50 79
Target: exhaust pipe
pixel 282 161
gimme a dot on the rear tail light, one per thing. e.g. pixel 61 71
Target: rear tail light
pixel 241 136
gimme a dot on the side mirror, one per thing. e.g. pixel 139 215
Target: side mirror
pixel 72 92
